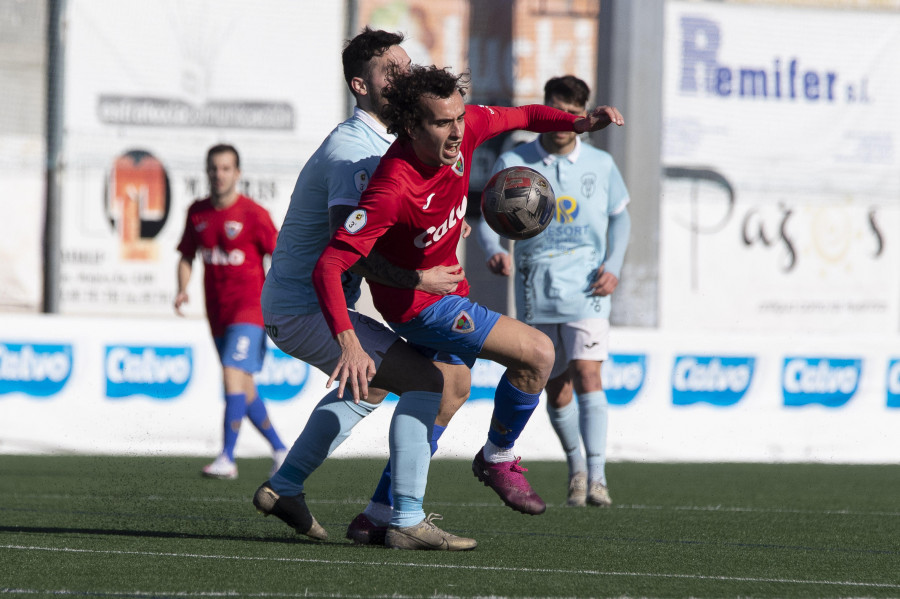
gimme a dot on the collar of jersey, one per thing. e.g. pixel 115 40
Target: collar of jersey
pixel 549 159
pixel 374 125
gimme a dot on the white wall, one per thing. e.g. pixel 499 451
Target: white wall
pixel 63 388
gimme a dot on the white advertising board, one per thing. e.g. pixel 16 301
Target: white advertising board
pixel 149 87
pixel 781 152
pixel 152 387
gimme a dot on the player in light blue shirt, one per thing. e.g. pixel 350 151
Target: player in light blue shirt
pixel 327 191
pixel 564 279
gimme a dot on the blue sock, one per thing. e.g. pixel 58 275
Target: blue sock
pixel 565 423
pixel 411 428
pixel 235 409
pixel 593 409
pixel 328 425
pixel 259 416
pixel 512 409
pixel 382 492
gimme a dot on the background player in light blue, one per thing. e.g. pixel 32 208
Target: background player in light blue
pixel 564 279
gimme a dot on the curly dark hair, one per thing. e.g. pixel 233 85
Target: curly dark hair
pixel 567 88
pixel 403 111
pixel 363 48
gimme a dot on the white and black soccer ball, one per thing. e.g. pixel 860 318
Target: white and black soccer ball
pixel 518 202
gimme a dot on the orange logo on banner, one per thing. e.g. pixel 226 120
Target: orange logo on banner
pixel 138 203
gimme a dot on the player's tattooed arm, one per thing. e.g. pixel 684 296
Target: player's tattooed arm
pixel 439 280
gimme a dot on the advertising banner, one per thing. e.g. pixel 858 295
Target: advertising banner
pixel 779 202
pixel 143 103
pixel 153 387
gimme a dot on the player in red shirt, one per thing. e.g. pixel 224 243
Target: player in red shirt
pixel 232 233
pixel 412 212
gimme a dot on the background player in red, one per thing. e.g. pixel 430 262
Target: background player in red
pixel 232 234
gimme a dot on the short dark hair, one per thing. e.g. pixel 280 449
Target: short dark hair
pixel 567 88
pixel 359 51
pixel 221 149
pixel 404 111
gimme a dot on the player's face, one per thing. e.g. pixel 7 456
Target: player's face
pixel 562 141
pixel 437 138
pixel 381 67
pixel 223 174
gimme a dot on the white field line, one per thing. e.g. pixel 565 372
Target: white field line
pixel 363 501
pixel 382 564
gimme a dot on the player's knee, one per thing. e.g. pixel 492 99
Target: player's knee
pixel 541 354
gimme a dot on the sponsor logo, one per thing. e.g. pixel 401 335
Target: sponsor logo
pixel 566 209
pixel 623 377
pixel 282 377
pixel 155 372
pixel 137 202
pixel 721 381
pixel 463 323
pixel 459 167
pixel 39 370
pixel 428 202
pixel 361 180
pixel 219 257
pixel 233 228
pixel 830 382
pixel 893 384
pixel 435 234
pixel 355 221
pixel 769 78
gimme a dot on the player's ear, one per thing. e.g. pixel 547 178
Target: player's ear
pixel 358 85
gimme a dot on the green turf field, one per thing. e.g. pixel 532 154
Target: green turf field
pixel 152 527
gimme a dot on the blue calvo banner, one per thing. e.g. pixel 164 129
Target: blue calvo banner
pixel 893 384
pixel 282 376
pixel 38 370
pixel 152 371
pixel 623 377
pixel 830 382
pixel 717 380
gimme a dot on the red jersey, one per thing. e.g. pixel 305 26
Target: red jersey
pixel 232 243
pixel 411 213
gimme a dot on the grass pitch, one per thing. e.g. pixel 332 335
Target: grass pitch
pixel 152 527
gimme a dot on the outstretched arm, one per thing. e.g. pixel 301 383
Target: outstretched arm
pixel 598 119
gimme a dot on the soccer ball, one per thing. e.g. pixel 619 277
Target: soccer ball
pixel 518 202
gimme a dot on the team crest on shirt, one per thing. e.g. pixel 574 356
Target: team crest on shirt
pixel 588 184
pixel 356 221
pixel 463 323
pixel 460 167
pixel 233 228
pixel 361 180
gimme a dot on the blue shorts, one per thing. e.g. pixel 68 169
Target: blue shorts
pixel 451 330
pixel 243 346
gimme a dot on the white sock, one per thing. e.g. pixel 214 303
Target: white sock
pixel 495 455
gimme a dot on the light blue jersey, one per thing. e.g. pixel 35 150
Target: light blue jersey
pixel 336 174
pixel 554 270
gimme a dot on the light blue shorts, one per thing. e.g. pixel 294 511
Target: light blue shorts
pixel 243 346
pixel 451 330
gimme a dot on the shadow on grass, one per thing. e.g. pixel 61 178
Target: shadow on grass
pixel 156 534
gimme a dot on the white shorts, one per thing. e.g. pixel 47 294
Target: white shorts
pixel 308 338
pixel 586 339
